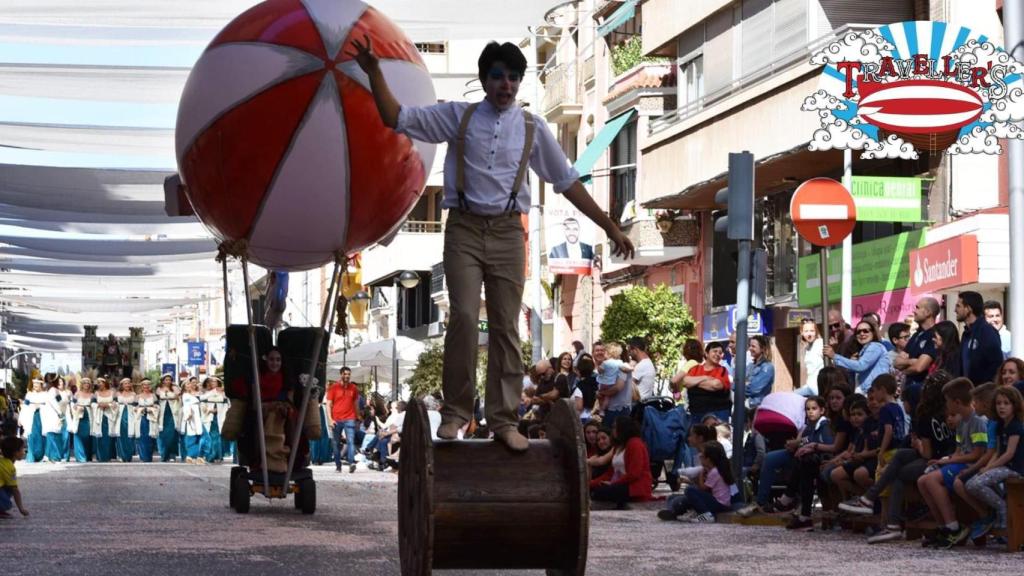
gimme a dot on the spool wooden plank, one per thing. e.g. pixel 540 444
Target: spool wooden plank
pixel 476 505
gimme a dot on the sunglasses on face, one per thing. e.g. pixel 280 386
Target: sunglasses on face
pixel 863 331
pixel 835 325
pixel 496 74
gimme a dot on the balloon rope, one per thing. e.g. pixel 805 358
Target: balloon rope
pixel 314 361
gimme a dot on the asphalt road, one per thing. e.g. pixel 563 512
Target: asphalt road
pixel 157 519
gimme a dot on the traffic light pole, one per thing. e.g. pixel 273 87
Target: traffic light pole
pixel 739 383
pixel 823 258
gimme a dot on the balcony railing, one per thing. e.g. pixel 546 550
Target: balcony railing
pixel 744 83
pixel 421 227
pixel 560 87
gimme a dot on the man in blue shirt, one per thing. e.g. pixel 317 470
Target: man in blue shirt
pixel 980 347
pixel 920 350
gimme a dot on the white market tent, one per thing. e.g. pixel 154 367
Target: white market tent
pixel 88 101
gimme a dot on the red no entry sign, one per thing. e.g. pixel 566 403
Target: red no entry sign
pixel 823 211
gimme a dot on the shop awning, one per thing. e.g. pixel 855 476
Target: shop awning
pixel 585 163
pixel 618 18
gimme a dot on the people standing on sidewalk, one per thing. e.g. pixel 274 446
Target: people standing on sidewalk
pixel 981 347
pixel 994 316
pixel 708 386
pixel 760 370
pixel 947 349
pixel 342 406
pixel 813 360
pixel 644 373
pixel 921 353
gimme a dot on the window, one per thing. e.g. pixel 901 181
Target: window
pixel 691 82
pixel 779 238
pixel 417 306
pixel 623 185
pixel 432 47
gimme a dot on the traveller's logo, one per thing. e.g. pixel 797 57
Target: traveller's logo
pixel 903 88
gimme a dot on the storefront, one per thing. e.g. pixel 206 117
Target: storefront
pixel 972 253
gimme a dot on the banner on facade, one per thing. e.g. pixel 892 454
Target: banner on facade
pixel 909 87
pixel 570 239
pixel 945 264
pixel 887 199
pixel 878 266
pixel 196 353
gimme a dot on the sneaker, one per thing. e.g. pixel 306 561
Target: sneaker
pixel 667 515
pixel 351 468
pixel 888 534
pixel 981 527
pixel 951 538
pixel 781 506
pixel 936 538
pixel 705 518
pixel 337 468
pixel 801 525
pixel 748 510
pixel 858 505
pixel 688 516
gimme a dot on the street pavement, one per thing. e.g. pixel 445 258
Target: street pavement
pixel 168 519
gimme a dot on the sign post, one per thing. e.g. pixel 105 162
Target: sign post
pixel 824 214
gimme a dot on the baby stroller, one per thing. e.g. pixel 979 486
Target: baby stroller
pixel 263 471
pixel 664 427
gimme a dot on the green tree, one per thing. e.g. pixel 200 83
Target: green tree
pixel 657 315
pixel 630 53
pixel 426 376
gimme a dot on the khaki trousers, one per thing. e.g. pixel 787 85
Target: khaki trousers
pixel 485 250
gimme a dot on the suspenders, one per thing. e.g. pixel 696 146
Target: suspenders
pixel 460 162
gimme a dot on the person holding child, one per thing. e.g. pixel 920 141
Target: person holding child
pixel 614 385
pixel 939 479
pixel 12 449
pixel 711 494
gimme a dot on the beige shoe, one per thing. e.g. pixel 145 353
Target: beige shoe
pixel 200 460
pixel 189 461
pixel 449 430
pixel 513 440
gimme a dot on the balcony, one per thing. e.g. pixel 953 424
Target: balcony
pixel 416 246
pixel 680 239
pixel 648 85
pixel 561 101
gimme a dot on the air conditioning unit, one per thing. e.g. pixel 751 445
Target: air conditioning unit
pixel 435 329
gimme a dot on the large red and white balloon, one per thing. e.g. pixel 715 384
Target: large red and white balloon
pixel 279 141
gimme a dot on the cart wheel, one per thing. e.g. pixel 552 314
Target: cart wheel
pixel 306 497
pixel 233 487
pixel 240 486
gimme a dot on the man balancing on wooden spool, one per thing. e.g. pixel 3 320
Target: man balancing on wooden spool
pixel 491 145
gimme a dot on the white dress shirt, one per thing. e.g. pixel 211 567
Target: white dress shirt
pixel 494 145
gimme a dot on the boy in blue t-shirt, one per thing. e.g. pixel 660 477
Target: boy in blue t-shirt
pixel 941 475
pixel 856 471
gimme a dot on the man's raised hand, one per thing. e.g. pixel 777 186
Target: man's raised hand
pixel 363 54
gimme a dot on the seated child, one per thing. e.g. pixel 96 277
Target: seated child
pixel 808 456
pixel 982 491
pixel 698 436
pixel 608 373
pixel 12 449
pixel 939 479
pixel 712 492
pixel 856 470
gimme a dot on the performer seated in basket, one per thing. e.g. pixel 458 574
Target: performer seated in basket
pixel 491 144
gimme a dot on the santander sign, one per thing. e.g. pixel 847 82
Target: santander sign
pixel 946 264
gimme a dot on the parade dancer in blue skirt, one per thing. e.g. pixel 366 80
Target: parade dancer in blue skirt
pixel 168 418
pixel 30 419
pixel 146 413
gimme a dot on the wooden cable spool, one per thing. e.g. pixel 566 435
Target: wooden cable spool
pixel 474 504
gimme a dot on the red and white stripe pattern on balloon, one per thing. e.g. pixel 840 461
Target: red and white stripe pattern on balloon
pixel 279 141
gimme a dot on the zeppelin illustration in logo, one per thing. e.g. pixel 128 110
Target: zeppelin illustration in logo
pixel 903 88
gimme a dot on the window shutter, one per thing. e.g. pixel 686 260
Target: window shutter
pixel 718 52
pixel 789 30
pixel 756 36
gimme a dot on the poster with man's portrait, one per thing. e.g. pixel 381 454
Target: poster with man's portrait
pixel 570 241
